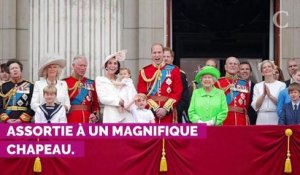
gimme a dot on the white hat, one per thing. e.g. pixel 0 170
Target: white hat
pixel 52 59
pixel 120 56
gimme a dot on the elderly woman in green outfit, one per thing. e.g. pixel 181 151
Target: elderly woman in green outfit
pixel 208 104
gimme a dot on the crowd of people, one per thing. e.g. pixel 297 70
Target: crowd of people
pixel 160 96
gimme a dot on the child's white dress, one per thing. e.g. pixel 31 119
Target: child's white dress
pixel 127 93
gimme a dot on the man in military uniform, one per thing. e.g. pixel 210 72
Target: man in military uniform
pixel 237 93
pixel 162 84
pixel 84 102
pixel 15 96
pixel 183 104
pixel 245 73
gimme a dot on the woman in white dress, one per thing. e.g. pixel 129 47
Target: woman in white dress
pixel 265 95
pixel 50 72
pixel 108 91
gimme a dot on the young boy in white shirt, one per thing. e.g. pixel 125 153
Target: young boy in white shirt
pixel 139 112
pixel 50 112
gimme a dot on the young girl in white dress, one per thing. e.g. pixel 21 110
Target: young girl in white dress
pixel 127 93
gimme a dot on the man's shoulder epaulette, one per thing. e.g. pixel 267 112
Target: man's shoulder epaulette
pixel 171 67
pixel 6 83
pixel 28 81
pixel 90 80
pixel 174 66
pixel 148 66
pixel 67 78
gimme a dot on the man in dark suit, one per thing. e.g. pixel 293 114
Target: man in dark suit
pixel 245 73
pixel 292 66
pixel 290 114
pixel 184 101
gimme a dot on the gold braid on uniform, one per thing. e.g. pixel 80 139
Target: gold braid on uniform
pixel 1 93
pixel 152 104
pixel 25 117
pixel 234 78
pixel 155 77
pixel 231 77
pixel 9 94
pixel 4 117
pixel 169 104
pixel 75 87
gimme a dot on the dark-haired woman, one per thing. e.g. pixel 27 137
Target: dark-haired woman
pixel 108 92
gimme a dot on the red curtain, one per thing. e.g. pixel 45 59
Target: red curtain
pixel 253 150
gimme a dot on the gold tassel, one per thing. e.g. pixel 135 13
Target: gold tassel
pixel 163 161
pixel 37 167
pixel 288 164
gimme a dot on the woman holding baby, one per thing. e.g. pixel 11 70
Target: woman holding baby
pixel 108 91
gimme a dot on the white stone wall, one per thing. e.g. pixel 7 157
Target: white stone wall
pixel 96 28
pixel 8 29
pixel 14 32
pixel 290 36
pixel 71 27
pixel 31 28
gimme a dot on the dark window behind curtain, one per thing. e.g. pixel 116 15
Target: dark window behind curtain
pixel 220 28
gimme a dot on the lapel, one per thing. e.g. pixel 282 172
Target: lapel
pixel 291 108
pixel 295 117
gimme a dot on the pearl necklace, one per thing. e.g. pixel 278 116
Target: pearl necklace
pixel 51 83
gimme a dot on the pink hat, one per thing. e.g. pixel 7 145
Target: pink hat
pixel 120 56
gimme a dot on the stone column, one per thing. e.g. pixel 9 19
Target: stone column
pixel 290 36
pixel 143 25
pixel 22 37
pixel 8 30
pixel 71 27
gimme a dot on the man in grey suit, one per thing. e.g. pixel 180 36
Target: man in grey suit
pixel 292 66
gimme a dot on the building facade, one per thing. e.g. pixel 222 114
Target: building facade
pixel 29 29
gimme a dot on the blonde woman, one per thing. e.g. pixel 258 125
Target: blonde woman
pixel 265 95
pixel 50 72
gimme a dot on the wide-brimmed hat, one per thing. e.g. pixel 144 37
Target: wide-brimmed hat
pixel 207 70
pixel 51 59
pixel 120 56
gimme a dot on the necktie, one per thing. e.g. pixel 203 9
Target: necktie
pixel 295 107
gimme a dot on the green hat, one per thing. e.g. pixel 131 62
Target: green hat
pixel 207 70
